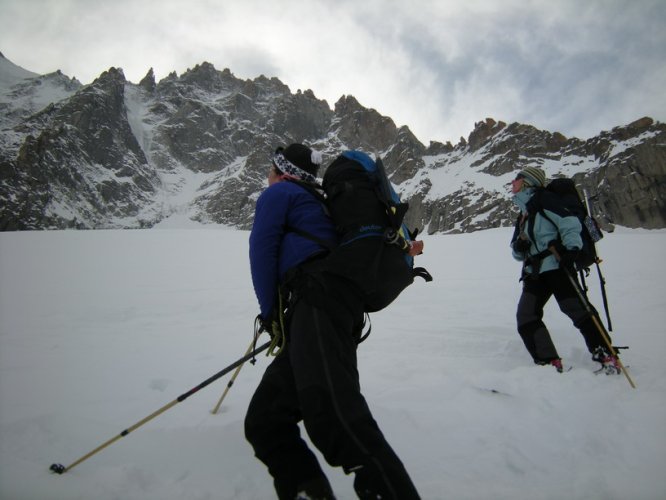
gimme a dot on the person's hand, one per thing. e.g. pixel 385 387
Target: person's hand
pixel 415 248
pixel 568 258
pixel 264 325
pixel 521 245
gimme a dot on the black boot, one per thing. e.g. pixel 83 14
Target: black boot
pixel 373 482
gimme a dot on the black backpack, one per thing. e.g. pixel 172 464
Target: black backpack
pixel 374 249
pixel 561 196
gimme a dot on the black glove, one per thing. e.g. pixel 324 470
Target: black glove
pixel 521 245
pixel 568 258
pixel 265 325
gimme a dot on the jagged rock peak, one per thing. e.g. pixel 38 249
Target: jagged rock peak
pixel 348 106
pixel 206 77
pixel 307 93
pixel 633 129
pixel 437 148
pixel 207 72
pixel 112 74
pixel 263 79
pixel 483 131
pixel 148 81
pixel 641 123
pixel 347 103
pixel 273 82
pixel 204 68
pixel 527 131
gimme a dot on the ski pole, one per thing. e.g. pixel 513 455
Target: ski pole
pixel 61 469
pixel 231 382
pixel 595 318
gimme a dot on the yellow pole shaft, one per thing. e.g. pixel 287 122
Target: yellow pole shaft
pixel 595 319
pixel 60 469
pixel 602 330
pixel 231 382
pixel 122 434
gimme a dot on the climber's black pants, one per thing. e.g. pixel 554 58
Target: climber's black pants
pixel 315 379
pixel 536 292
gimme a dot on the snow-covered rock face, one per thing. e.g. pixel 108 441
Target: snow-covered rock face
pixel 466 187
pixel 115 154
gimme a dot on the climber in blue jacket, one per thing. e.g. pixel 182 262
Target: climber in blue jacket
pixel 313 377
pixel 274 249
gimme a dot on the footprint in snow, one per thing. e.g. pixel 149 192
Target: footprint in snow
pixel 159 384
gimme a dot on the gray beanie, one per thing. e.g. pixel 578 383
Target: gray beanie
pixel 533 176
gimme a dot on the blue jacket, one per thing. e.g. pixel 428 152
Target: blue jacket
pixel 564 227
pixel 274 249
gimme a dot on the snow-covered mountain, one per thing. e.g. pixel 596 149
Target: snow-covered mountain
pixel 115 154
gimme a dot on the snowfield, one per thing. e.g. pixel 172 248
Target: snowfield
pixel 98 329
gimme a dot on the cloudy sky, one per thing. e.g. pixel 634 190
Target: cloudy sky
pixel 573 66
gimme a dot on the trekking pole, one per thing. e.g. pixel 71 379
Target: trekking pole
pixel 61 469
pixel 589 210
pixel 595 318
pixel 231 382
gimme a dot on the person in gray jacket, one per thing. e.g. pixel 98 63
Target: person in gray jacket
pixel 545 272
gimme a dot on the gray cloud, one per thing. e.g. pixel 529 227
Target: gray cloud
pixel 438 67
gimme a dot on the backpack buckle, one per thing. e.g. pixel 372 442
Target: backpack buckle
pixel 393 237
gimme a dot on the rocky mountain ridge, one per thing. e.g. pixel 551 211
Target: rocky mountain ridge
pixel 114 154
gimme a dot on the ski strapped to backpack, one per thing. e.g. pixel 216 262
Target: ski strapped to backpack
pixel 568 199
pixel 602 281
pixel 376 249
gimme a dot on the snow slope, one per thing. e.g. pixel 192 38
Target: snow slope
pixel 98 329
pixel 11 74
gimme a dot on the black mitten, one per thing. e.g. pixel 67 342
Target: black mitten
pixel 521 245
pixel 568 258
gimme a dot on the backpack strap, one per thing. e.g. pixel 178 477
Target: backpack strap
pixel 395 209
pixel 320 241
pixel 422 272
pixel 314 190
pixel 534 207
